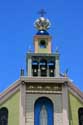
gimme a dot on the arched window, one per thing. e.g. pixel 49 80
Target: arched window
pixel 3 116
pixel 80 114
pixel 43 111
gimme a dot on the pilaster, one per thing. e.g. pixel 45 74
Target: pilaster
pixel 29 66
pixel 65 104
pixel 57 65
pixel 36 44
pixel 22 103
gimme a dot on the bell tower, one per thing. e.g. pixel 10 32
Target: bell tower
pixel 46 89
pixel 42 63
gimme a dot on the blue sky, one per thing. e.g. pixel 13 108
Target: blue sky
pixel 17 31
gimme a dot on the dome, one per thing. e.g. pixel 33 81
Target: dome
pixel 42 32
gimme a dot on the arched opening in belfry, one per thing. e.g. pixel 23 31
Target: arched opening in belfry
pixel 35 68
pixel 51 67
pixel 43 67
pixel 43 111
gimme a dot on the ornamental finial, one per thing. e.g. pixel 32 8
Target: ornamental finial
pixel 42 12
pixel 42 23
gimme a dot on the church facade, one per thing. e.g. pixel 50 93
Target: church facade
pixel 44 96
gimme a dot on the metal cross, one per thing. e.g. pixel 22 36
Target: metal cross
pixel 42 12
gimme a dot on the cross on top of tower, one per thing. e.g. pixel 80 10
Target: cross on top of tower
pixel 42 12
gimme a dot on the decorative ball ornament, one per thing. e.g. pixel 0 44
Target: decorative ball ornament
pixel 42 24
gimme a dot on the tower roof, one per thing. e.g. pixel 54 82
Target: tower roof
pixel 42 32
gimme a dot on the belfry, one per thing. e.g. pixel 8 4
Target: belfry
pixel 44 96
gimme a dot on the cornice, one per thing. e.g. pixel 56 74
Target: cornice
pixel 76 90
pixel 33 80
pixel 41 54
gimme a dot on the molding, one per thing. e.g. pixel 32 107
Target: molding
pixel 43 36
pixel 75 94
pixel 33 80
pixel 30 54
pixel 75 89
pixel 43 92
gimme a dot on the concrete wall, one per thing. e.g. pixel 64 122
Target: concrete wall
pixel 12 104
pixel 74 105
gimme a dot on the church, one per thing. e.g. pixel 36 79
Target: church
pixel 44 96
